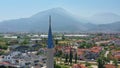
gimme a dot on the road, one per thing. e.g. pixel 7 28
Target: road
pixel 107 52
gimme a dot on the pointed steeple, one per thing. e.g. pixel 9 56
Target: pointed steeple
pixel 50 40
pixel 50 48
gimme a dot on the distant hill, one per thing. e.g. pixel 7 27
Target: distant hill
pixel 62 21
pixel 104 18
pixel 112 27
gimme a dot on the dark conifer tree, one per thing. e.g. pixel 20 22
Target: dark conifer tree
pixel 71 56
pixel 66 57
pixel 76 57
pixel 100 63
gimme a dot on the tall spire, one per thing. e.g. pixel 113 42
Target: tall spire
pixel 50 40
pixel 50 22
pixel 50 48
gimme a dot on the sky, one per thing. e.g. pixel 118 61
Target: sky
pixel 13 9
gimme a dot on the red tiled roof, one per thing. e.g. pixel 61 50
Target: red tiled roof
pixel 67 50
pixel 5 63
pixel 79 41
pixel 58 47
pixel 80 51
pixel 117 54
pixel 109 66
pixel 96 49
pixel 78 66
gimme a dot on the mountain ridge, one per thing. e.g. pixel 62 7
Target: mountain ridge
pixel 62 21
pixel 104 18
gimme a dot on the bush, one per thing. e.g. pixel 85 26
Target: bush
pixel 3 47
pixel 1 52
pixel 87 64
pixel 57 66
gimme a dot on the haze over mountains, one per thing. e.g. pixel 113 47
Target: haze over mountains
pixel 104 18
pixel 62 21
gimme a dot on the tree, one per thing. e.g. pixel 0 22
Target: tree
pixel 25 41
pixel 76 57
pixel 87 64
pixel 58 53
pixel 100 63
pixel 56 41
pixel 71 56
pixel 56 65
pixel 66 57
pixel 2 52
pixel 82 45
pixel 107 60
pixel 115 62
pixel 63 37
pixel 3 47
pixel 85 45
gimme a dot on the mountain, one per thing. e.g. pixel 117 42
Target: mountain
pixel 62 20
pixel 112 27
pixel 104 18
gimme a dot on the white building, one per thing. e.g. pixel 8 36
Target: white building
pixel 75 35
pixel 10 56
pixel 10 37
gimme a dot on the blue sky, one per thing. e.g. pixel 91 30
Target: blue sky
pixel 12 9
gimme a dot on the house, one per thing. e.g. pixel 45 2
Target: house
pixel 80 53
pixel 78 66
pixel 23 59
pixel 116 55
pixel 13 42
pixel 44 36
pixel 66 49
pixel 22 48
pixel 117 42
pixel 10 37
pixel 9 57
pixel 109 66
pixel 75 35
pixel 35 40
pixel 93 53
pixel 4 64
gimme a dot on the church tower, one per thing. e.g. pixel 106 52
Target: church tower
pixel 50 48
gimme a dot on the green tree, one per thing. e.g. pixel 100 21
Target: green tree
pixel 56 42
pixel 1 52
pixel 76 57
pixel 115 62
pixel 107 60
pixel 71 56
pixel 59 53
pixel 56 65
pixel 87 64
pixel 82 45
pixel 63 37
pixel 25 41
pixel 66 58
pixel 3 47
pixel 100 63
pixel 85 45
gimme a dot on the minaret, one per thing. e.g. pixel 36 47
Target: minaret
pixel 50 48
